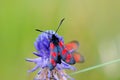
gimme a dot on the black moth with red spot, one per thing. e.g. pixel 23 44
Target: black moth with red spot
pixel 60 52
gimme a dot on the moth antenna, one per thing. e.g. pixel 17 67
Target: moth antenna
pixel 59 25
pixel 39 30
pixel 42 31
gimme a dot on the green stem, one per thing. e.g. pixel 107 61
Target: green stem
pixel 97 66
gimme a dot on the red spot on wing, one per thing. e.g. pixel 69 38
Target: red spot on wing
pixel 61 44
pixel 52 46
pixel 68 57
pixel 64 52
pixel 53 54
pixel 53 62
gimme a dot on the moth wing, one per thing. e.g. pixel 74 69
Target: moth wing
pixel 65 54
pixel 53 56
pixel 72 46
pixel 78 57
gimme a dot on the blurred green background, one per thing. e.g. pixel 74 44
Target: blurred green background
pixel 94 23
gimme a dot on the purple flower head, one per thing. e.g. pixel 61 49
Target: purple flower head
pixel 42 45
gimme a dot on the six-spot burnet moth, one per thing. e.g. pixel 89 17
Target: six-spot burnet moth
pixel 62 52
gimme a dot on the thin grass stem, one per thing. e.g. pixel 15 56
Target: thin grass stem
pixel 94 67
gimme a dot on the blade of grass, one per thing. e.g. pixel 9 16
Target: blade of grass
pixel 94 67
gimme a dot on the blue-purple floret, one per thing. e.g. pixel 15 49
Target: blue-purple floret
pixel 42 45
